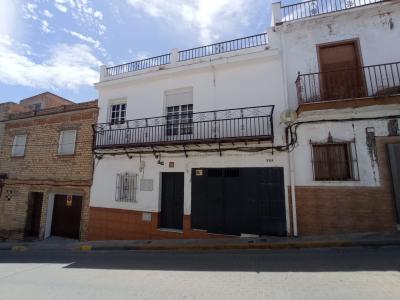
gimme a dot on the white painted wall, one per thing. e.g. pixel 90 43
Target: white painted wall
pixel 377 27
pixel 104 181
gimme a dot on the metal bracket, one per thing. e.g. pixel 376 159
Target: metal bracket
pixel 127 154
pixel 184 150
pixel 219 148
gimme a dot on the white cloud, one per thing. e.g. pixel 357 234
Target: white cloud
pixel 45 26
pixel 67 67
pixel 210 18
pixel 48 14
pixel 87 39
pixel 61 7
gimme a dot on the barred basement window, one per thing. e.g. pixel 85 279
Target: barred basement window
pixel 335 161
pixel 126 187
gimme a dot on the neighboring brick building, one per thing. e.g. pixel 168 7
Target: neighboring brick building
pixel 46 169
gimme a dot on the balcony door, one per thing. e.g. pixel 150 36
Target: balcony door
pixel 341 76
pixel 179 111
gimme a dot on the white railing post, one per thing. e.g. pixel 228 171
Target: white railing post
pixel 276 16
pixel 174 56
pixel 103 72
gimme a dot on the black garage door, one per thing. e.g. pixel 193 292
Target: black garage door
pixel 66 216
pixel 240 200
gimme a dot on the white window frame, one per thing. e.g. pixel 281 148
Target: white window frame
pixel 15 146
pixel 61 144
pixel 119 120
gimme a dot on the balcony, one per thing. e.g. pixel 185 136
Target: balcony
pixel 313 8
pixel 189 54
pixel 220 126
pixel 375 81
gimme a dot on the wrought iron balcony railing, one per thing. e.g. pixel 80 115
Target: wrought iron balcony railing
pixel 319 7
pixel 240 124
pixel 184 55
pixel 367 81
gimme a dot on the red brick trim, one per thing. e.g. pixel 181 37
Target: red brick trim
pixel 120 224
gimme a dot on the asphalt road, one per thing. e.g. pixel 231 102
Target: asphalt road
pixel 352 273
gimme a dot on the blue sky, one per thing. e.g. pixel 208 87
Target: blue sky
pixel 59 45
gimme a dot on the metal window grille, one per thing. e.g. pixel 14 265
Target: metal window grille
pixel 335 161
pixel 126 187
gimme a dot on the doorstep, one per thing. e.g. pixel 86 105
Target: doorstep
pixel 170 230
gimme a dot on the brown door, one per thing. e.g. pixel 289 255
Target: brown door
pixel 32 225
pixel 341 73
pixel 66 216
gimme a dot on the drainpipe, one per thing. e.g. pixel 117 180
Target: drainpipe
pixel 276 20
pixel 293 192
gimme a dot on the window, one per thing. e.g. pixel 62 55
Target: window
pixel 334 161
pixel 66 145
pixel 118 113
pixel 180 119
pixel 18 147
pixel 126 188
pixel 35 107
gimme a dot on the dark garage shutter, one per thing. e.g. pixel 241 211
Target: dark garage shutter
pixel 240 200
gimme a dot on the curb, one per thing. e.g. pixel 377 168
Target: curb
pixel 255 246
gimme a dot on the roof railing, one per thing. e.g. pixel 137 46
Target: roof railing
pixel 180 56
pixel 312 8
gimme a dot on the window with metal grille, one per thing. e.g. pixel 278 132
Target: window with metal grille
pixel 180 119
pixel 334 161
pixel 118 113
pixel 126 187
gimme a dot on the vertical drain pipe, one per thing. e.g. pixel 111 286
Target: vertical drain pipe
pixel 293 192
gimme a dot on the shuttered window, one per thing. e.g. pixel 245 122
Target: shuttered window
pixel 18 147
pixel 334 161
pixel 126 187
pixel 67 142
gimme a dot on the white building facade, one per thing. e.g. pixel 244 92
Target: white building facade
pixel 192 144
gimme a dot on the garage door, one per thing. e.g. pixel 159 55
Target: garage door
pixel 240 200
pixel 66 216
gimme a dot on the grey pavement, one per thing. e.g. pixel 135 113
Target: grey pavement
pixel 345 273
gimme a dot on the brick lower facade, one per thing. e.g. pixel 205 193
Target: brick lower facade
pixel 14 209
pixel 339 209
pixel 119 224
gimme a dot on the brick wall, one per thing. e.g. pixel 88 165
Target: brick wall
pixel 119 224
pixel 339 209
pixel 42 169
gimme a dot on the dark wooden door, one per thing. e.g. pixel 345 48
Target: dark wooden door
pixel 341 74
pixel 394 159
pixel 172 200
pixel 32 225
pixel 66 216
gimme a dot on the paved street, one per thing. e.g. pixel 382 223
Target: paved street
pixel 352 273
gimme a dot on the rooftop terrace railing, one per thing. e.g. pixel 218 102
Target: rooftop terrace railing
pixel 213 49
pixel 318 7
pixel 223 47
pixel 239 124
pixel 367 81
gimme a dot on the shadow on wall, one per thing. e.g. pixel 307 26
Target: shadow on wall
pixel 311 260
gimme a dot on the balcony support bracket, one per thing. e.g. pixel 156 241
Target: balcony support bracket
pixel 127 154
pixel 184 150
pixel 219 148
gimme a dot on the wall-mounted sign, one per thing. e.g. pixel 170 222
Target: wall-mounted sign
pixel 199 172
pixel 171 164
pixel 69 200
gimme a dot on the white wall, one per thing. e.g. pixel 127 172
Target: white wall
pixel 104 181
pixel 377 27
pixel 368 168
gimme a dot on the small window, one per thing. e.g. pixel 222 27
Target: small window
pixel 126 187
pixel 118 113
pixel 67 142
pixel 334 162
pixel 18 147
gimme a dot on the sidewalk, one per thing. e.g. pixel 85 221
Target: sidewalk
pixel 345 240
